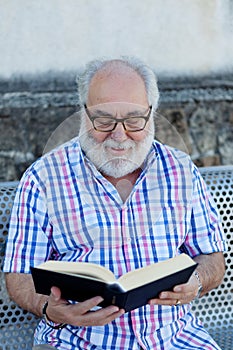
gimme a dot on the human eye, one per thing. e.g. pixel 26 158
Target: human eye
pixel 134 123
pixel 104 123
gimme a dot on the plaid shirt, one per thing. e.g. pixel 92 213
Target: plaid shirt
pixel 66 210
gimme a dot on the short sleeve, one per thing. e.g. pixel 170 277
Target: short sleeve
pixel 29 231
pixel 205 234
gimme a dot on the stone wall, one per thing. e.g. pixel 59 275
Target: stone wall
pixel 200 110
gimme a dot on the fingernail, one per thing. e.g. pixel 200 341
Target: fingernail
pixel 99 300
pixel 114 308
pixel 54 295
pixel 163 295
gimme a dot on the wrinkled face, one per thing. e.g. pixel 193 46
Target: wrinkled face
pixel 117 94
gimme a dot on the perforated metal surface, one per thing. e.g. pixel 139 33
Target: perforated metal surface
pixel 16 325
pixel 215 309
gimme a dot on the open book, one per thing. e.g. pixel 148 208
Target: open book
pixel 80 281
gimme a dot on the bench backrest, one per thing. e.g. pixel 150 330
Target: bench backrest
pixel 16 325
pixel 215 309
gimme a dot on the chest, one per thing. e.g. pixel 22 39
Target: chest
pixel 91 223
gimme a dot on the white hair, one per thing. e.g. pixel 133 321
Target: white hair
pixel 144 71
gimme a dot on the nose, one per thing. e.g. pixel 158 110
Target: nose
pixel 119 134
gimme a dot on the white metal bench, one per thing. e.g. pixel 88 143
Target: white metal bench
pixel 215 309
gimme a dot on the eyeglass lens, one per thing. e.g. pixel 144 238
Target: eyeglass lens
pixel 108 124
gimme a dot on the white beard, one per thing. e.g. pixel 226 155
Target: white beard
pixel 109 164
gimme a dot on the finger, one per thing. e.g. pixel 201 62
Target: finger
pixel 187 292
pixel 56 306
pixel 111 317
pixel 184 288
pixel 169 295
pixel 174 296
pixel 87 305
pixel 102 316
pixel 55 293
pixel 168 298
pixel 171 298
pixel 55 297
pixel 168 302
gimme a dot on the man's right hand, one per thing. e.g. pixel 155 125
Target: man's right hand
pixel 80 314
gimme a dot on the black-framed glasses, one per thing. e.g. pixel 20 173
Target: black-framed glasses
pixel 102 121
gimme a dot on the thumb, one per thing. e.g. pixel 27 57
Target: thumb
pixel 55 293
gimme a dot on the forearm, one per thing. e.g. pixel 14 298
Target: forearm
pixel 211 269
pixel 21 289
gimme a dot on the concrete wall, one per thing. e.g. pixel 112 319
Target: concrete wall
pixel 176 37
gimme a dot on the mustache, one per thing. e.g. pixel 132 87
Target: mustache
pixel 119 145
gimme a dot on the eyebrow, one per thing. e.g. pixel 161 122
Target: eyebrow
pixel 101 113
pixel 135 113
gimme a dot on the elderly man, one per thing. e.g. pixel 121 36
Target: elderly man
pixel 115 197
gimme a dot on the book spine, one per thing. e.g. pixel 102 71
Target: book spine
pixel 120 300
pixel 115 296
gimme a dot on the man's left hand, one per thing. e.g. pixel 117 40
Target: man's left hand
pixel 181 294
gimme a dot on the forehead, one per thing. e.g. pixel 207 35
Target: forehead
pixel 117 84
pixel 114 109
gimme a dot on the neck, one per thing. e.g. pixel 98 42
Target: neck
pixel 125 183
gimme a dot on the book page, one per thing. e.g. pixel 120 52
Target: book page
pixel 150 273
pixel 79 268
